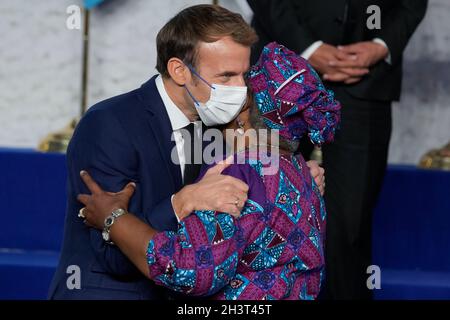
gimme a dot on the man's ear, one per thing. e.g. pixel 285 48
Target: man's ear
pixel 178 71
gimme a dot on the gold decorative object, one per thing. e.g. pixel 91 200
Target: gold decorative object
pixel 58 141
pixel 437 159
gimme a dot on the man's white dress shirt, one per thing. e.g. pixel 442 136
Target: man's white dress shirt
pixel 178 120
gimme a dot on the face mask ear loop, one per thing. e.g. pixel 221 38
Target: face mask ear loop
pixel 199 76
pixel 192 97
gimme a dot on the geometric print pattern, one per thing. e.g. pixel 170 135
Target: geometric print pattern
pixel 273 250
pixel 288 198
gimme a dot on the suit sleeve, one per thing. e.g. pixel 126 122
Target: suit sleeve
pixel 101 146
pixel 202 256
pixel 280 21
pixel 398 25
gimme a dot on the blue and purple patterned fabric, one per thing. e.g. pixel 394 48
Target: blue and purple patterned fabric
pixel 291 97
pixel 274 250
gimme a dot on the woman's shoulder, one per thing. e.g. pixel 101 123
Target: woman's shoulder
pixel 265 162
pixel 257 165
pixel 274 162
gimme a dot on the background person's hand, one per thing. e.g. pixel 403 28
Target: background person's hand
pixel 318 174
pixel 100 204
pixel 215 191
pixel 367 54
pixel 321 61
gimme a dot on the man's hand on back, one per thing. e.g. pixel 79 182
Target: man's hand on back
pixel 215 191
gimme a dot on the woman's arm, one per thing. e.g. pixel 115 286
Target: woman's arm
pixel 128 232
pixel 199 259
pixel 203 255
pixel 132 236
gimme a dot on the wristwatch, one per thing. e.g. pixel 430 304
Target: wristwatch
pixel 109 221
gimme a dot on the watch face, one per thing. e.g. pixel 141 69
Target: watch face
pixel 118 212
pixel 105 235
pixel 109 221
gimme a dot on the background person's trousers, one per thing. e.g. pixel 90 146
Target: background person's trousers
pixel 354 165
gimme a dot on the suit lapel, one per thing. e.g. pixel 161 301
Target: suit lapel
pixel 159 123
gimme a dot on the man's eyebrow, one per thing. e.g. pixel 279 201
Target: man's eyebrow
pixel 230 73
pixel 227 74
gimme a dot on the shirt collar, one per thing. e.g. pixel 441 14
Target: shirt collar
pixel 177 118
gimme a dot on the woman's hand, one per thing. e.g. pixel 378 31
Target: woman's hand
pixel 100 204
pixel 130 234
pixel 318 174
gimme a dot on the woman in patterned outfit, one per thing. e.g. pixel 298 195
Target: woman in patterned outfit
pixel 274 249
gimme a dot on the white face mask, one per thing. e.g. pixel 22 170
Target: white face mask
pixel 224 104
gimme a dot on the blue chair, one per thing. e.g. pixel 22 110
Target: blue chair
pixel 33 199
pixel 411 238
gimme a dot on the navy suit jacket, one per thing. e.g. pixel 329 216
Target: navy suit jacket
pixel 122 139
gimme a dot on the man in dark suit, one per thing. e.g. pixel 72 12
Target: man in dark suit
pixel 128 138
pixel 361 61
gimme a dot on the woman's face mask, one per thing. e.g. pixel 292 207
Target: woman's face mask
pixel 224 104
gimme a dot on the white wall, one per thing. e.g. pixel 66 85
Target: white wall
pixel 40 60
pixel 421 121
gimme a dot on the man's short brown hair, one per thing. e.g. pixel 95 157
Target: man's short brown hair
pixel 207 23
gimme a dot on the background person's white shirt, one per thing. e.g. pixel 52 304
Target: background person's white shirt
pixel 312 48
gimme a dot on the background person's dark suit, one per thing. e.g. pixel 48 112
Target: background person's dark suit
pixel 355 163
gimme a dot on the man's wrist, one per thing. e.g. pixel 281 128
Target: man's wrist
pixel 311 49
pixel 181 202
pixel 173 208
pixel 387 54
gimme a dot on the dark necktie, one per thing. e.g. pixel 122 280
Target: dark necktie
pixel 191 169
